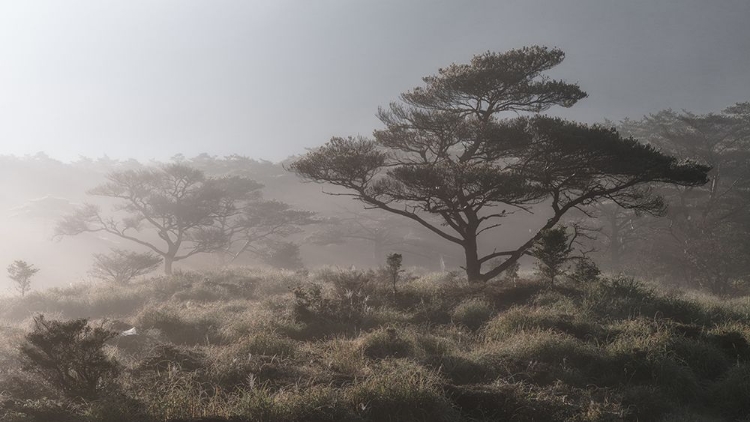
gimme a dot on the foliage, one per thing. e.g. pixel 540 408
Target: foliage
pixel 447 160
pixel 21 272
pixel 284 255
pixel 69 355
pixel 552 250
pixel 393 269
pixel 705 234
pixel 190 212
pixel 511 273
pixel 585 271
pixel 121 266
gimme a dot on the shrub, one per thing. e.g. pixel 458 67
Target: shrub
pixel 585 271
pixel 69 354
pixel 473 313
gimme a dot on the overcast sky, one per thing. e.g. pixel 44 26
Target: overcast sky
pixel 267 79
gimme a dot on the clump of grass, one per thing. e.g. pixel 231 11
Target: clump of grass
pixel 388 342
pixel 473 313
pixel 165 357
pixel 522 319
pixel 541 356
pixel 730 393
pixel 179 327
pixel 268 344
pixel 344 356
pixel 400 390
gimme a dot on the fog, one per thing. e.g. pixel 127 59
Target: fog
pixel 87 88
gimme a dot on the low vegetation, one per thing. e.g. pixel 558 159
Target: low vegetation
pixel 332 345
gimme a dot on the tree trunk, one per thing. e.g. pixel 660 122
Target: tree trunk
pixel 473 266
pixel 168 260
pixel 614 244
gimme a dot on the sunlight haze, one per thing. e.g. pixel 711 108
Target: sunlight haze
pixel 149 79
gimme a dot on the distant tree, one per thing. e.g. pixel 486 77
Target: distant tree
pixel 186 210
pixel 706 233
pixel 284 255
pixel 121 266
pixel 445 152
pixel 21 272
pixel 261 225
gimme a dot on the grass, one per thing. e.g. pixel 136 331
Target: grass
pixel 249 345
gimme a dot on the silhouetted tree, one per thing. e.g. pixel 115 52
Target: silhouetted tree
pixel 446 152
pixel 185 208
pixel 21 272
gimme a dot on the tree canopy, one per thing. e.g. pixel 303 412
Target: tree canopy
pixel 189 212
pixel 705 234
pixel 448 150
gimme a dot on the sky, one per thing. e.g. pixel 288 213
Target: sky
pixel 148 79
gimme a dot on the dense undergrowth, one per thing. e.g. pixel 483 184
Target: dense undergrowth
pixel 249 345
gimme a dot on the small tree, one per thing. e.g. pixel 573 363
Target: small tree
pixel 69 355
pixel 553 251
pixel 393 268
pixel 21 272
pixel 121 266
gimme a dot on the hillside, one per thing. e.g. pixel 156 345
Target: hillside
pixel 254 345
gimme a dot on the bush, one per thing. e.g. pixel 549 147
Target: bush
pixel 69 355
pixel 473 313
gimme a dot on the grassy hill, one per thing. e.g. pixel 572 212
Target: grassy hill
pixel 254 345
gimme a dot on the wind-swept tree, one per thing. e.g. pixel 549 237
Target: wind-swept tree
pixel 446 151
pixel 179 204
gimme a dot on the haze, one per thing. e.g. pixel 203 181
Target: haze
pixel 145 79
